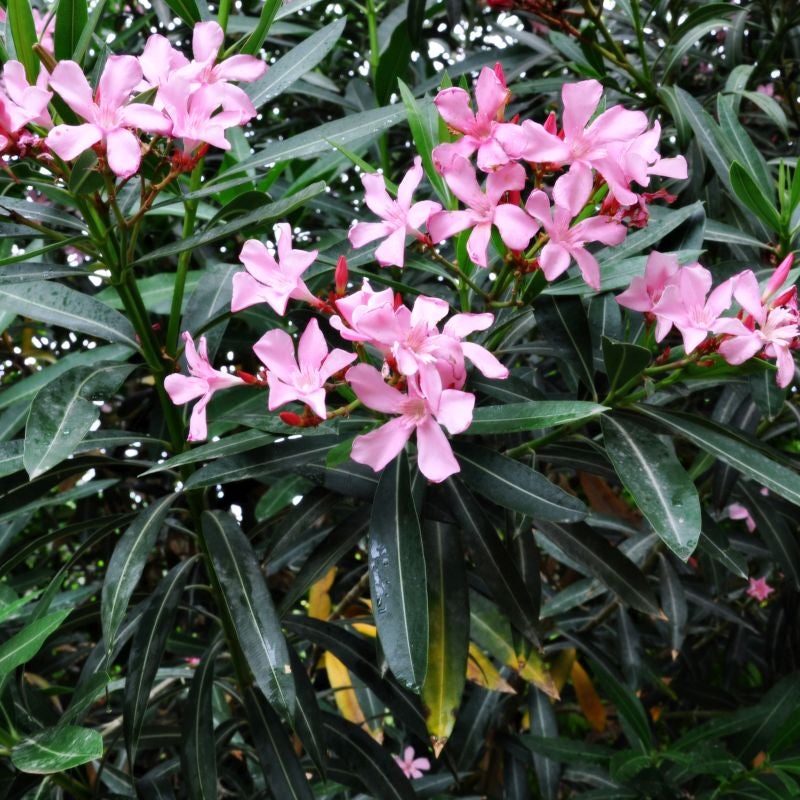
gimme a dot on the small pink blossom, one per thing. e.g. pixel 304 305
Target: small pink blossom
pixel 570 194
pixel 354 306
pixel 192 661
pixel 400 217
pixel 453 104
pixel 302 378
pixel 203 380
pixel 21 103
pixel 272 281
pixel 417 412
pixel 759 589
pixel 737 511
pixel 412 767
pixel 766 88
pixel 778 277
pixel 516 228
pixel 110 118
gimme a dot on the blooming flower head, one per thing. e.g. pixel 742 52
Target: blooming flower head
pixel 110 118
pixel 21 103
pixel 412 767
pixel 491 95
pixel 759 589
pixel 416 412
pixel 203 380
pixel 302 378
pixel 399 216
pixel 270 280
pixel 737 511
pixel 354 306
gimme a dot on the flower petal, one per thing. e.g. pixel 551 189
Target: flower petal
pixel 435 455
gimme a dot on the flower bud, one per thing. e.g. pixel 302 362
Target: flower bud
pixel 340 276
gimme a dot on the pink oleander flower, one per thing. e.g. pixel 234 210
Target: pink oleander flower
pixel 771 329
pixel 412 767
pixel 759 589
pixel 203 380
pixel 272 281
pixel 159 61
pixel 302 378
pixel 766 88
pixel 21 103
pixel 737 511
pixel 417 412
pixel 110 118
pixel 352 307
pixel 778 278
pixel 400 217
pixel 192 661
pixel 571 192
pixel 683 303
pixel 453 104
pixel 582 143
pixel 516 228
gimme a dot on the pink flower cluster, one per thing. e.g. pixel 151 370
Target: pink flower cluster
pixel 764 324
pixel 616 149
pixel 192 100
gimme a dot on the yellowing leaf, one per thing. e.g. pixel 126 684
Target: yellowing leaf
pixel 561 667
pixel 588 699
pixel 345 696
pixel 482 672
pixel 319 599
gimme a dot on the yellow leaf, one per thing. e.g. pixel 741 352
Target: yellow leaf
pixel 534 670
pixel 481 671
pixel 562 666
pixel 346 699
pixel 319 601
pixel 365 628
pixel 588 699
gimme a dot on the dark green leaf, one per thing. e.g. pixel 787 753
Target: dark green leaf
pixel 544 726
pixel 533 415
pixel 415 16
pixel 57 749
pixel 631 713
pixel 752 195
pixel 397 576
pixel 19 22
pixel 673 600
pixel 623 362
pixel 254 42
pixel 516 486
pixel 567 751
pixel 651 472
pixel 26 272
pixel 23 646
pixel 187 10
pixel 563 321
pixel 600 560
pixel 71 18
pixel 394 62
pixel 249 604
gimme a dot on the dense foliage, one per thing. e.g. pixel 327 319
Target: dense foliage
pixel 412 418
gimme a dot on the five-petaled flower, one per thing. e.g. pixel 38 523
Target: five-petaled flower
pixel 412 766
pixel 759 589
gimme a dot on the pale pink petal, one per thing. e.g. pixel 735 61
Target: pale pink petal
pixel 120 77
pixel 365 232
pixel 748 295
pixel 391 252
pixel 590 269
pixel 455 409
pixel 146 118
pixel 316 402
pixel 420 213
pixel 463 183
pixel 124 152
pixel 740 348
pixel 407 186
pixel 258 261
pixel 538 206
pixel 510 178
pixel 336 361
pixel 69 141
pixel 312 348
pixel 490 93
pixel 375 195
pixel 486 362
pixel 670 168
pixel 240 68
pixel 778 277
pixel 478 243
pixel 184 388
pixel 71 85
pixel 600 229
pixel 720 299
pixel 206 41
pixel 444 154
pixel 692 337
pixel 461 325
pixel 275 349
pixel 247 291
pixel 786 366
pixel 636 296
pixel 617 124
pixel 435 456
pixel 572 190
pixel 553 260
pixel 453 106
pixel 445 224
pixel 516 227
pixel 580 102
pixel 430 310
pixel 491 155
pixel 281 393
pixel 532 142
pixel 373 391
pixel 377 448
pixel 197 422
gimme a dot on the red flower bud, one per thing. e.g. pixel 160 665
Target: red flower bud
pixel 290 418
pixel 340 276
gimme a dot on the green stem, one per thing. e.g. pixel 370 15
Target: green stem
pixel 189 218
pixel 223 14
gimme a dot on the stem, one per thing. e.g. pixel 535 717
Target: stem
pixel 374 62
pixel 189 218
pixel 223 14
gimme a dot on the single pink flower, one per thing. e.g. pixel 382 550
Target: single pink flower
pixel 516 228
pixel 417 412
pixel 739 512
pixel 400 217
pixel 203 380
pixel 272 281
pixel 571 192
pixel 21 103
pixel 192 661
pixel 683 303
pixel 302 378
pixel 110 118
pixel 354 306
pixel 159 61
pixel 759 589
pixel 412 767
pixel 453 104
pixel 766 88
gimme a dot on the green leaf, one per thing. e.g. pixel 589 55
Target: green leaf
pixel 752 195
pixel 26 272
pixel 280 495
pixel 545 726
pixel 631 712
pixel 564 323
pixel 720 232
pixel 715 544
pixel 393 62
pixel 63 412
pixel 567 751
pixel 448 630
pixel 516 486
pixel 532 415
pixel 23 33
pixel 56 304
pixel 187 10
pixel 147 649
pixel 71 18
pixel 308 717
pixel 250 606
pixel 725 445
pixel 198 751
pixel 660 486
pixel 23 646
pixel 600 560
pixel 623 362
pixel 300 59
pixel 282 769
pixel 277 457
pixel 127 564
pixel 741 145
pixel 277 210
pixel 673 600
pixel 370 762
pixel 88 31
pixel 692 36
pixel 57 749
pixel 397 576
pixel 254 42
pixel 494 562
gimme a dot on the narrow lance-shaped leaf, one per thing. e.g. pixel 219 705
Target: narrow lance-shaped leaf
pixel 57 749
pixel 20 22
pixel 673 599
pixel 147 650
pixel 397 576
pixel 71 18
pixel 23 646
pixel 544 726
pixel 250 606
pixel 752 195
pixel 662 489
pixel 514 417
pixel 448 639
pixel 127 564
